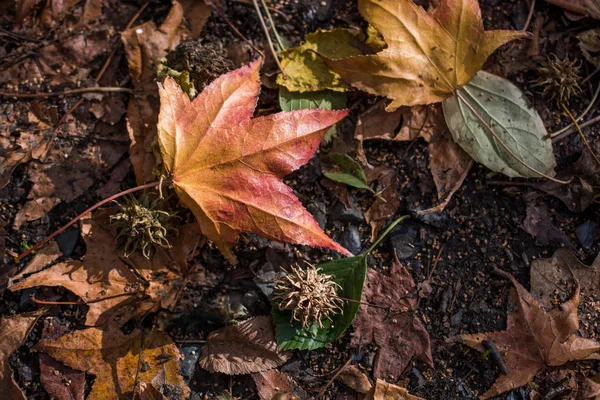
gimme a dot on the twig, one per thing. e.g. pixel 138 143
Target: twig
pixel 17 36
pixel 273 28
pixel 569 5
pixel 66 92
pixel 584 125
pixel 585 141
pixel 496 356
pixel 527 22
pixel 77 303
pixel 190 341
pixel 264 26
pixel 77 218
pixel 139 364
pixel 580 117
pixel 217 6
pixel 504 146
pixel 339 371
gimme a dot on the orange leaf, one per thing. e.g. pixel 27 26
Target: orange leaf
pixel 227 167
pixel 429 54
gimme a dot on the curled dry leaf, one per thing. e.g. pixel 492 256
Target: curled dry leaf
pixel 389 391
pixel 243 348
pixel 396 329
pixel 144 45
pixel 534 338
pixel 13 331
pixel 114 359
pixel 429 54
pixel 227 167
pixel 270 384
pixel 355 379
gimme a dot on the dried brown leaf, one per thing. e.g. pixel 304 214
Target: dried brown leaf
pixel 380 211
pixel 388 391
pixel 60 381
pixel 114 358
pixel 534 338
pixel 355 379
pixel 243 348
pixel 270 384
pixel 399 332
pixel 41 260
pixel 13 331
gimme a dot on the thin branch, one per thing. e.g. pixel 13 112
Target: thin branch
pixel 17 36
pixel 504 146
pixel 77 218
pixel 77 303
pixel 580 117
pixel 585 141
pixel 570 6
pixel 339 371
pixel 527 22
pixel 264 26
pixel 217 6
pixel 66 92
pixel 273 28
pixel 592 121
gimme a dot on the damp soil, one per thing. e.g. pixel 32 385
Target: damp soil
pixel 481 228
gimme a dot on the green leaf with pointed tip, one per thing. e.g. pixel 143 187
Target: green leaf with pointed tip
pixel 342 168
pixel 506 110
pixel 350 274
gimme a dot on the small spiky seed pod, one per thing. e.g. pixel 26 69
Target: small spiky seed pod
pixel 559 79
pixel 309 295
pixel 142 225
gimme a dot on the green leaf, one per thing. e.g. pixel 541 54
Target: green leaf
pixel 350 274
pixel 305 70
pixel 342 168
pixel 506 110
pixel 324 99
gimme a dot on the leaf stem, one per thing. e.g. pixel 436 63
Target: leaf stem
pixel 384 234
pixel 580 117
pixel 77 218
pixel 504 146
pixel 583 138
pixel 77 303
pixel 277 37
pixel 264 26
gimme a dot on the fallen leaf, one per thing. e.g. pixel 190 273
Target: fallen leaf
pixel 60 381
pixel 41 260
pixel 355 379
pixel 343 169
pixel 534 338
pixel 557 272
pixel 211 145
pixel 589 389
pixel 393 324
pixel 589 43
pixel 506 110
pixel 114 359
pixel 539 224
pixel 306 71
pixel 386 204
pixel 243 348
pixel 270 384
pixel 429 54
pixel 389 391
pixel 580 8
pixel 13 331
pixel 144 45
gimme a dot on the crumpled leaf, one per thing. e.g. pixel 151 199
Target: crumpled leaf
pixel 243 348
pixel 270 384
pixel 228 168
pixel 448 162
pixel 144 45
pixel 429 54
pixel 389 391
pixel 399 332
pixel 306 71
pixel 350 274
pixel 534 338
pixel 13 331
pixel 355 379
pixel 114 359
pixel 106 282
pixel 506 110
pixel 557 272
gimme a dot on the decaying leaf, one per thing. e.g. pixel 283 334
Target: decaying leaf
pixel 306 71
pixel 534 338
pixel 515 122
pixel 538 223
pixel 389 391
pixel 243 348
pixel 355 379
pixel 558 272
pixel 13 331
pixel 103 280
pixel 114 359
pixel 144 45
pixel 397 330
pixel 429 54
pixel 273 383
pixel 60 381
pixel 386 204
pixel 589 42
pixel 448 162
pixel 228 168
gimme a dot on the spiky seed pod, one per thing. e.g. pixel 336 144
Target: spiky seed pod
pixel 559 79
pixel 309 295
pixel 142 225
